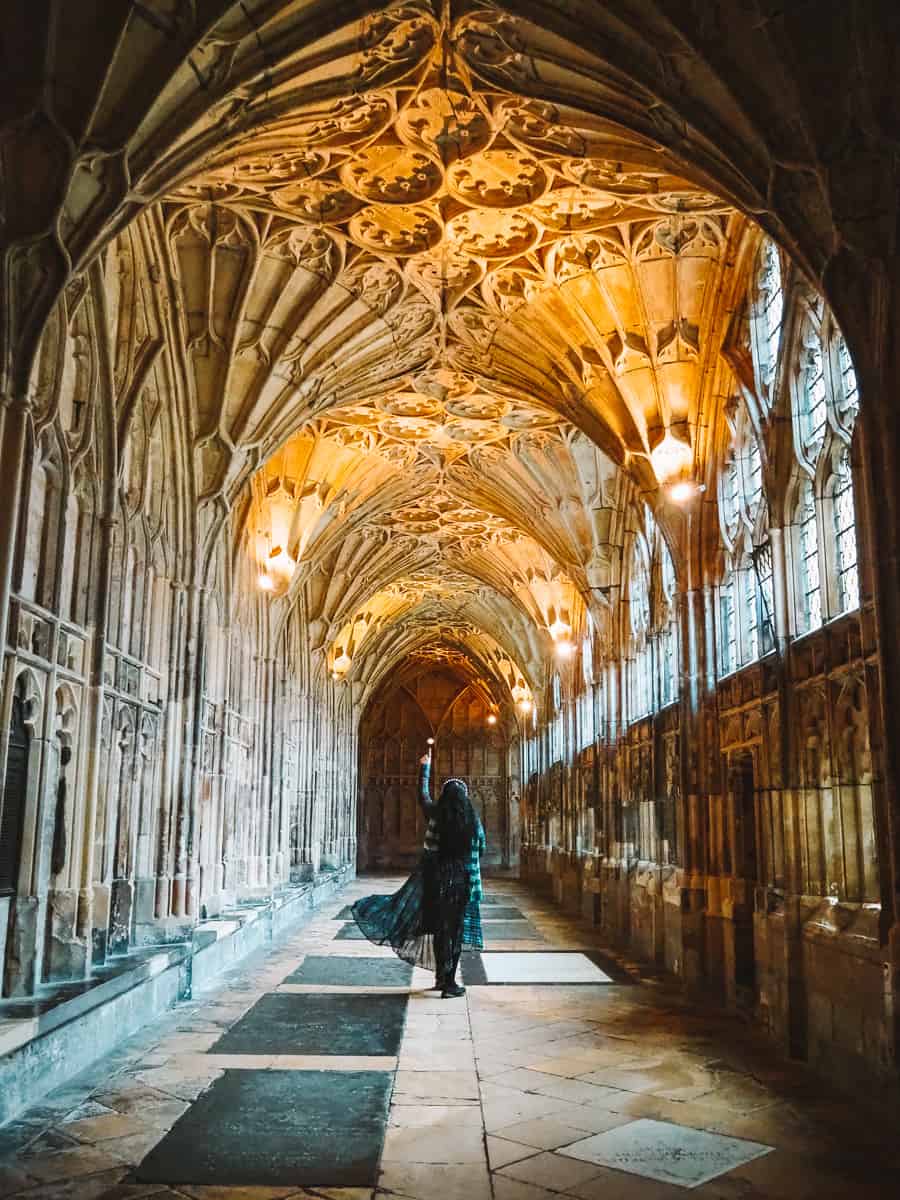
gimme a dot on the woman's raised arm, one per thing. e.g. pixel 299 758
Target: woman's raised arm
pixel 428 805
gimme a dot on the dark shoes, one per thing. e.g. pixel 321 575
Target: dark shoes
pixel 451 990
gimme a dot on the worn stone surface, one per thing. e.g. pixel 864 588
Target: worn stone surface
pixel 548 1086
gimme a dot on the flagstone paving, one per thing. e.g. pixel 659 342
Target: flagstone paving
pixel 564 1071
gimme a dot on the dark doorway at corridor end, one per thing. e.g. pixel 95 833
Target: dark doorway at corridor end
pixel 475 740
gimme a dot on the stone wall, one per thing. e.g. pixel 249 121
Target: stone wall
pixel 761 887
pixel 171 742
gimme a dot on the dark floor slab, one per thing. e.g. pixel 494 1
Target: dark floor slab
pixel 278 1128
pixel 292 1023
pixel 350 933
pixel 497 912
pixel 332 971
pixel 511 931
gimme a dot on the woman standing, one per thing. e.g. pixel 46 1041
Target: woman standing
pixel 427 920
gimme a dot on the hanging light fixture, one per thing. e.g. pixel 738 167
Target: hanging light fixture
pixel 342 662
pixel 673 460
pixel 282 562
pixel 265 583
pixel 559 629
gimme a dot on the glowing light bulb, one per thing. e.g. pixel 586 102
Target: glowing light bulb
pixel 559 630
pixel 342 662
pixel 565 649
pixel 429 741
pixel 525 706
pixel 684 491
pixel 492 719
pixel 282 562
pixel 671 458
pixel 266 583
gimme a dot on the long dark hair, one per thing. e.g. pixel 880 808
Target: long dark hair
pixel 457 824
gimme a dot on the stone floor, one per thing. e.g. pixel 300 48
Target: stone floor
pixel 563 1070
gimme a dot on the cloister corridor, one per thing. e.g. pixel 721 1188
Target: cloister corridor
pixel 495 397
pixel 323 1067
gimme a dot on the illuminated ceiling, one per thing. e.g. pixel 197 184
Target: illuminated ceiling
pixel 440 334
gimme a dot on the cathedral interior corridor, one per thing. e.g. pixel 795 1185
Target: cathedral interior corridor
pixel 445 445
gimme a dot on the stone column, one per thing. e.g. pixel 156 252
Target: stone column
pixel 687 890
pixel 173 738
pixel 13 441
pixel 879 445
pixel 185 884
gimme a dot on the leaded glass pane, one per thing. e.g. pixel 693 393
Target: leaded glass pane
pixel 845 533
pixel 754 477
pixel 765 580
pixel 811 597
pixel 771 301
pixel 751 616
pixel 587 659
pixel 849 402
pixel 728 627
pixel 815 404
pixel 731 496
pixel 667 568
pixel 639 596
pixel 668 664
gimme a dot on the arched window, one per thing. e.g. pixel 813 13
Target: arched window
pixel 825 405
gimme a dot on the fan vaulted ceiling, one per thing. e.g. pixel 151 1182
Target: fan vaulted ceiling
pixel 439 332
